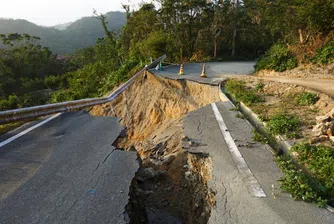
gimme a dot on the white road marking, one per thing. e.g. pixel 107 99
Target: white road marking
pixel 28 130
pixel 253 186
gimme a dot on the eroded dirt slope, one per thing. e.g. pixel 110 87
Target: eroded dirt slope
pixel 170 183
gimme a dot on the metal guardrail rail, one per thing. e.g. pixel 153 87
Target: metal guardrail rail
pixel 38 111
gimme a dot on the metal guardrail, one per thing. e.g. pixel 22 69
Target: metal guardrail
pixel 38 111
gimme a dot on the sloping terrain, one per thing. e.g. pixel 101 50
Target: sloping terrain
pixel 170 184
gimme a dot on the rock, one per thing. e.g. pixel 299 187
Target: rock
pixel 168 160
pixel 149 173
pixel 331 114
pixel 330 130
pixel 322 119
pixel 186 167
pixel 122 134
pixel 187 174
pixel 191 143
pixel 294 154
pixel 321 138
pixel 140 179
pixel 161 174
pixel 185 138
pixel 331 138
pixel 319 129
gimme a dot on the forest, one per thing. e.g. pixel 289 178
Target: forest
pixel 278 34
pixel 65 40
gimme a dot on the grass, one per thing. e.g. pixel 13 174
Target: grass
pixel 257 137
pixel 242 93
pixel 4 128
pixel 285 124
pixel 259 86
pixel 316 186
pixel 307 99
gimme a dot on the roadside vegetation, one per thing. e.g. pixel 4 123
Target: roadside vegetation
pixel 240 91
pixel 309 170
pixel 316 182
pixel 193 31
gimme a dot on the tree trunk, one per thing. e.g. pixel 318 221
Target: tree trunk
pixel 215 49
pixel 236 3
pixel 301 38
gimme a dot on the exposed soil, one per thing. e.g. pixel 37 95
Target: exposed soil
pixel 281 97
pixel 171 185
pixel 304 71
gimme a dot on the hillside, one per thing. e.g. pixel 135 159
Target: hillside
pixel 79 34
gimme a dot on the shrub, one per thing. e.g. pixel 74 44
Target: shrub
pixel 278 58
pixel 52 81
pixel 242 93
pixel 62 96
pixel 284 124
pixel 307 99
pixel 324 55
pixel 11 103
pixel 4 105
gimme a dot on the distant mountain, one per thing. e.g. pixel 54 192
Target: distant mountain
pixel 62 26
pixel 66 38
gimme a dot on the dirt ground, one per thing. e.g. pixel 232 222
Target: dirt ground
pixel 170 183
pixel 303 71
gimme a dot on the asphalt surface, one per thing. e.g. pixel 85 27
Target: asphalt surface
pixel 66 171
pixel 215 71
pixel 234 203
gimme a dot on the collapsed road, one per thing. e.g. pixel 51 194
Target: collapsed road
pixel 184 156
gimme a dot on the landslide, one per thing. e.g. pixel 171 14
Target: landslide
pixel 170 182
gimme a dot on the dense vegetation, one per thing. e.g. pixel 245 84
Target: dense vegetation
pixel 192 30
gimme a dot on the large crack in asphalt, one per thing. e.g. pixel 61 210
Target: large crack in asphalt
pixel 171 185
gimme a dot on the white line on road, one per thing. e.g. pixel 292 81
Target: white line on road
pixel 253 186
pixel 28 130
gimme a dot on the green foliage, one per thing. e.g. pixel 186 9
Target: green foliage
pixel 285 124
pixel 239 90
pixel 300 185
pixel 325 55
pixel 258 137
pixel 278 58
pixel 53 81
pixel 307 99
pixel 319 160
pixel 62 95
pixel 259 86
pixel 317 182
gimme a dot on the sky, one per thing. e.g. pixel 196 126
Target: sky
pixel 53 12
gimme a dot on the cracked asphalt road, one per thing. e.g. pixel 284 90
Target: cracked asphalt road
pixel 66 171
pixel 216 71
pixel 234 203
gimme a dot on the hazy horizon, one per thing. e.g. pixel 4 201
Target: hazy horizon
pixel 58 12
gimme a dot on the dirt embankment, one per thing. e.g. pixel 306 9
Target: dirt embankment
pixel 170 184
pixel 304 71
